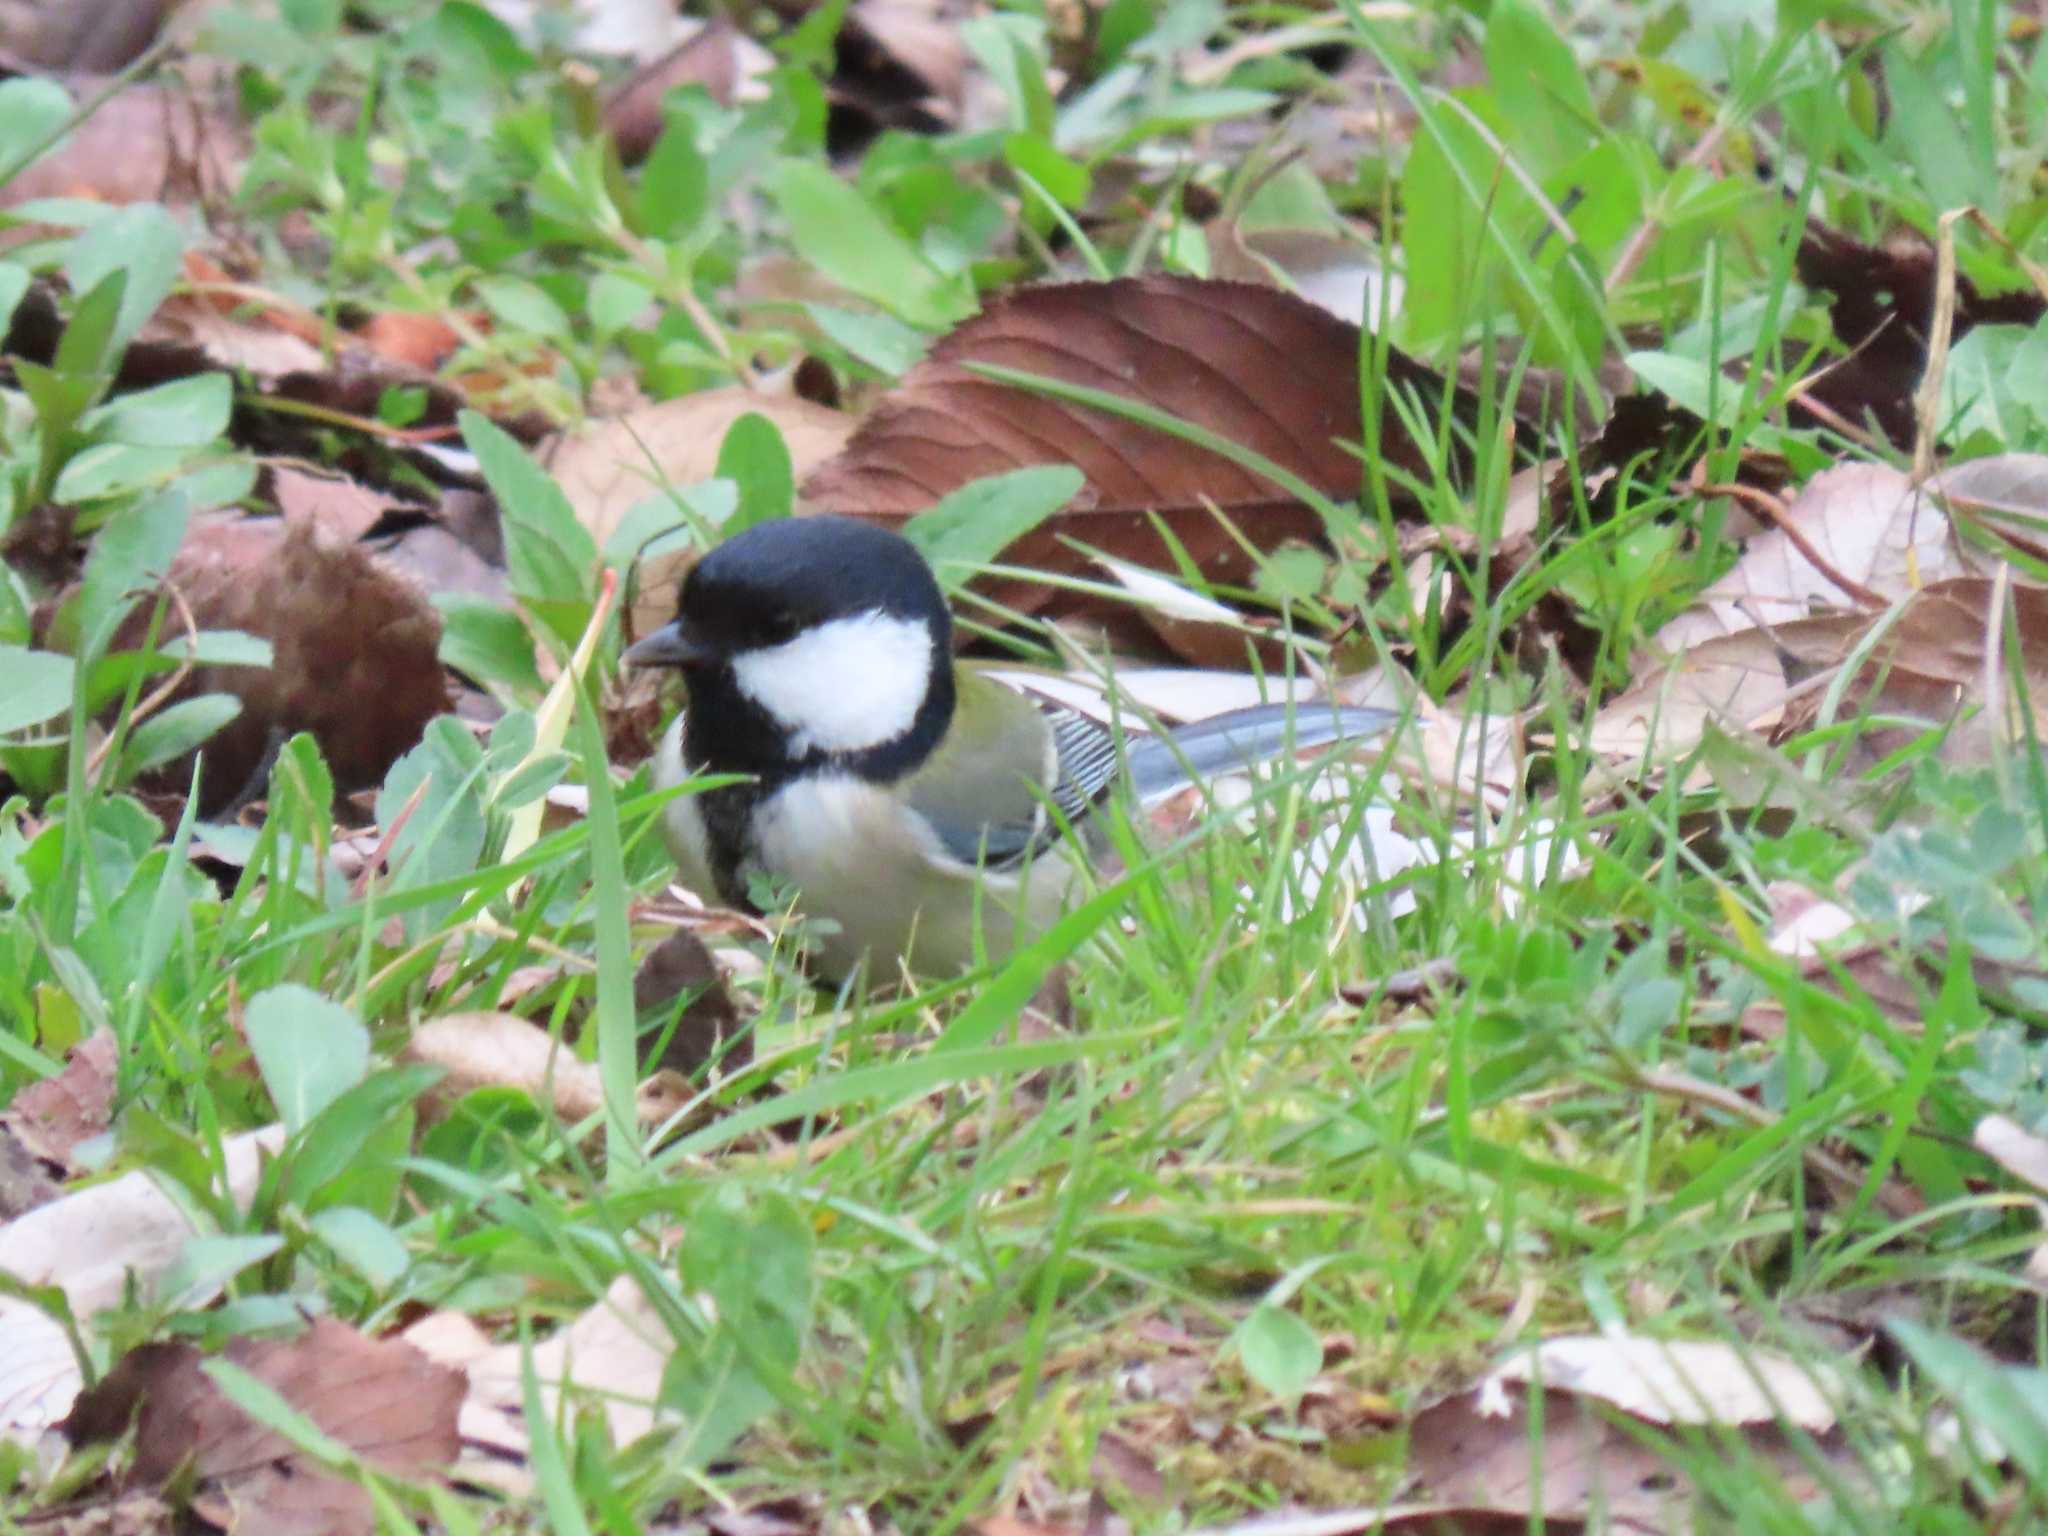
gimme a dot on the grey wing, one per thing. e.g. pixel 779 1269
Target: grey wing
pixel 1086 762
pixel 1244 738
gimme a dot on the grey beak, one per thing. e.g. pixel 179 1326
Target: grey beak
pixel 670 646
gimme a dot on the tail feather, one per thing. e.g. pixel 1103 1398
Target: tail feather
pixel 1243 739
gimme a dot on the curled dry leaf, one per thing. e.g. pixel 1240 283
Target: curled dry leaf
pixel 52 1116
pixel 381 1398
pixel 1881 304
pixel 1870 528
pixel 1262 369
pixel 344 628
pixel 612 466
pixel 727 63
pixel 2005 495
pixel 1681 1381
pixel 93 1243
pixel 502 1050
pixel 2015 1149
pixel 614 1353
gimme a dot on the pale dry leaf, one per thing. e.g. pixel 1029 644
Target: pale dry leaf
pixel 157 141
pixel 502 1050
pixel 2015 1149
pixel 614 1354
pixel 1868 522
pixel 2005 493
pixel 610 467
pixel 89 1243
pixel 1682 1381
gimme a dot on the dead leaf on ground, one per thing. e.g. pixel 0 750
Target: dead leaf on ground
pixel 718 56
pixel 1881 306
pixel 2004 495
pixel 156 141
pixel 53 1115
pixel 1678 1381
pixel 93 1242
pixel 612 466
pixel 381 1398
pixel 1867 525
pixel 343 627
pixel 1403 1519
pixel 614 1354
pixel 502 1050
pixel 1264 370
pixel 680 970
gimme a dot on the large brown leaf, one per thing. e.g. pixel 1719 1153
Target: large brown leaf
pixel 1261 368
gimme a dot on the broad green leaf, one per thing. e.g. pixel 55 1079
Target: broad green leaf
pixel 115 469
pixel 38 686
pixel 616 301
pixel 523 306
pixel 971 526
pixel 756 460
pixel 144 242
pixel 883 342
pixel 551 555
pixel 362 1242
pixel 132 551
pixel 174 732
pixel 32 111
pixel 310 1050
pixel 1280 1352
pixel 1067 180
pixel 839 232
pixel 14 281
pixel 487 642
pixel 1541 87
pixel 675 183
pixel 186 413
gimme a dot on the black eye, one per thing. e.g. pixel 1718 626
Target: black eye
pixel 777 627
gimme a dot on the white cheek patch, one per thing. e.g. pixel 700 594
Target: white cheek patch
pixel 844 686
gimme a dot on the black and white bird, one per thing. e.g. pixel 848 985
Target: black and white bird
pixel 911 800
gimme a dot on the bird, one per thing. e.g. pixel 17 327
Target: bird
pixel 916 803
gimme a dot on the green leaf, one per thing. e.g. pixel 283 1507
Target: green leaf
pixel 971 526
pixel 1067 180
pixel 883 342
pixel 675 183
pixel 186 413
pixel 205 1264
pixel 1540 86
pixel 550 555
pixel 362 1242
pixel 1280 1352
pixel 486 642
pixel 616 301
pixel 445 834
pixel 2010 1402
pixel 32 112
pixel 115 469
pixel 132 551
pixel 756 460
pixel 839 232
pixel 751 1253
pixel 310 1050
pixel 38 686
pixel 14 281
pixel 174 732
pixel 142 241
pixel 523 306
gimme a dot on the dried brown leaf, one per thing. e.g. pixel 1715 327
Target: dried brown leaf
pixel 1262 369
pixel 382 1398
pixel 157 141
pixel 612 466
pixel 344 628
pixel 54 1115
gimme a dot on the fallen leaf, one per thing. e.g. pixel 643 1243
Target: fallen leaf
pixel 502 1050
pixel 51 1116
pixel 610 467
pixel 156 141
pixel 343 628
pixel 382 1399
pixel 727 63
pixel 94 1243
pixel 1262 369
pixel 680 968
pixel 1678 1381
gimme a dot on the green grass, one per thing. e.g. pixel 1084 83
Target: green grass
pixel 1245 1204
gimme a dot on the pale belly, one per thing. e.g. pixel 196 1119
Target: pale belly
pixel 854 859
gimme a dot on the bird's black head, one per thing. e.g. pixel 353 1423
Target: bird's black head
pixel 811 641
